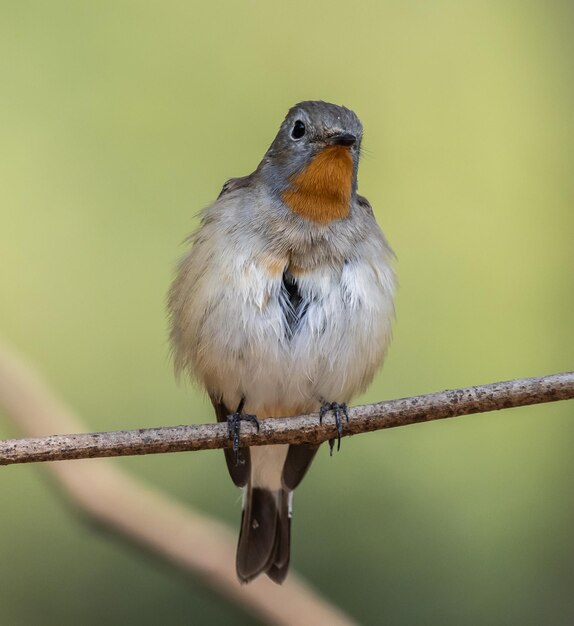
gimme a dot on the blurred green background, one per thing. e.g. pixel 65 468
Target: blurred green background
pixel 120 120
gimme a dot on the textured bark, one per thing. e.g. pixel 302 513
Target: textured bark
pixel 301 429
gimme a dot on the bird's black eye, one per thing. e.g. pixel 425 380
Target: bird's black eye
pixel 298 130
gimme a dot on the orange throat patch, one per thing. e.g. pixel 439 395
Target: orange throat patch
pixel 322 191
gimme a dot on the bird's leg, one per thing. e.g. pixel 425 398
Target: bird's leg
pixel 337 409
pixel 233 424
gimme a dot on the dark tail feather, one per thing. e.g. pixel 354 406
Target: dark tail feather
pixel 264 536
pixel 278 570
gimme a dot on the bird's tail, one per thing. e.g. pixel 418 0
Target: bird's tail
pixel 265 535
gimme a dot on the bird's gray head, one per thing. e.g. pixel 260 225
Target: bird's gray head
pixel 312 163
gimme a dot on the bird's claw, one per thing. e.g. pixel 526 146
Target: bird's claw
pixel 337 410
pixel 233 425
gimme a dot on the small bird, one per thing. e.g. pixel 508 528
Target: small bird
pixel 283 306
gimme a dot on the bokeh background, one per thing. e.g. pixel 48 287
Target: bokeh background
pixel 120 120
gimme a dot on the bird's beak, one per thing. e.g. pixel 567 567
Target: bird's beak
pixel 343 139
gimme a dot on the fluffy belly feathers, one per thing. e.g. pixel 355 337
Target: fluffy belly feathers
pixel 288 342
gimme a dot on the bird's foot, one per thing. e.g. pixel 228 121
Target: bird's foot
pixel 338 410
pixel 233 424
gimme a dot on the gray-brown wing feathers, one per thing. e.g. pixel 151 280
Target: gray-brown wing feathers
pixel 298 461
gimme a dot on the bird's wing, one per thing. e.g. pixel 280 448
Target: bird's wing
pixel 298 461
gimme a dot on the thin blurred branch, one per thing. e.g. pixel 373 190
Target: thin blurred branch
pixel 186 538
pixel 301 429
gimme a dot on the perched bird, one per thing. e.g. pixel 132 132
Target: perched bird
pixel 284 306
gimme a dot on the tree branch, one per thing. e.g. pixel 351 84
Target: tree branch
pixel 192 541
pixel 301 429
